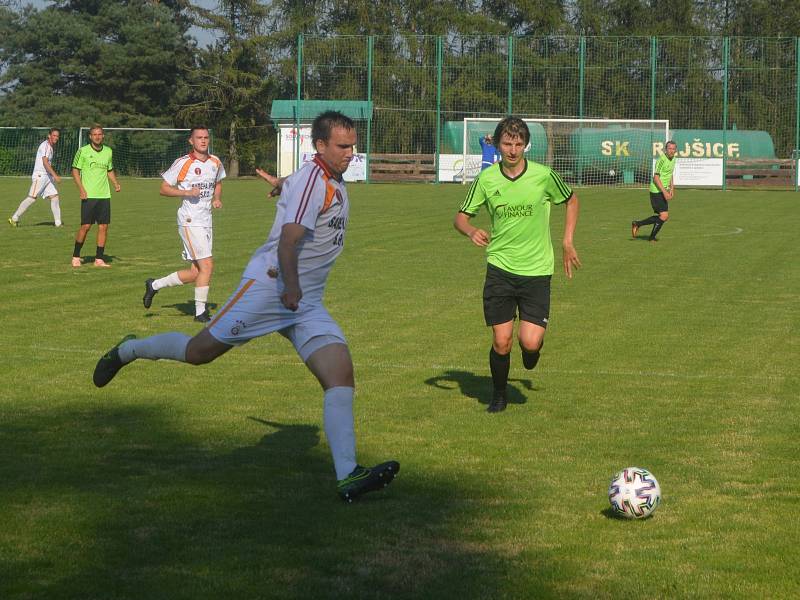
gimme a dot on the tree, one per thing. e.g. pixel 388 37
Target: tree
pixel 77 62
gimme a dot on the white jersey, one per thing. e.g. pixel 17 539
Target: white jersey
pixel 314 198
pixel 45 151
pixel 189 171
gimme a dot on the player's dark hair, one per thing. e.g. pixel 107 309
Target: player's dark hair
pixel 197 128
pixel 52 129
pixel 513 127
pixel 324 123
pixel 670 143
pixel 95 126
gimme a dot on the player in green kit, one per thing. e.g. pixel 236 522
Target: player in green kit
pixel 518 194
pixel 92 168
pixel 661 192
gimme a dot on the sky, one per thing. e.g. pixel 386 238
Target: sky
pixel 203 36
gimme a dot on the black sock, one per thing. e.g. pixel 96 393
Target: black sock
pixel 77 251
pixel 656 228
pixel 529 359
pixel 649 221
pixel 100 251
pixel 499 364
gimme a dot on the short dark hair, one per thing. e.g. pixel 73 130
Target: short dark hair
pixel 196 128
pixel 52 129
pixel 324 123
pixel 670 143
pixel 514 127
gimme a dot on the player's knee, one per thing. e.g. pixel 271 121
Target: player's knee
pixel 502 345
pixel 664 216
pixel 531 345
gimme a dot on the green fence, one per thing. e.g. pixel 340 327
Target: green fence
pixel 418 84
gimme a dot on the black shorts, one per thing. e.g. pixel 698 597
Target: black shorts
pixel 658 202
pixel 504 293
pixel 96 210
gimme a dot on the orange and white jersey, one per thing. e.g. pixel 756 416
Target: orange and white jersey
pixel 314 198
pixel 45 151
pixel 188 172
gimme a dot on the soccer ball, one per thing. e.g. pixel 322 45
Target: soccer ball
pixel 634 493
pixel 612 173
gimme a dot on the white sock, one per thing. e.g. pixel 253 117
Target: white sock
pixel 170 280
pixel 200 297
pixel 55 206
pixel 338 418
pixel 23 206
pixel 165 345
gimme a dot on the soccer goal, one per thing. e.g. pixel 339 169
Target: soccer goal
pixel 143 152
pixel 611 152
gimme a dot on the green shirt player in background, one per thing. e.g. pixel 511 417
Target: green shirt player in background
pixel 661 192
pixel 92 168
pixel 518 194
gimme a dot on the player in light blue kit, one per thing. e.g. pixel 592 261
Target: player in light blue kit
pixel 281 290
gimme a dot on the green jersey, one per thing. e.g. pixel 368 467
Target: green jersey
pixel 519 210
pixel 664 169
pixel 94 166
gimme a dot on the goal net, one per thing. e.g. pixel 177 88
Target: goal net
pixel 18 146
pixel 143 152
pixel 583 151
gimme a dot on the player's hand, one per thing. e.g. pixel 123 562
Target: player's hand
pixel 57 179
pixel 216 203
pixel 194 192
pixel 479 237
pixel 82 194
pixel 290 297
pixel 117 187
pixel 571 260
pixel 275 182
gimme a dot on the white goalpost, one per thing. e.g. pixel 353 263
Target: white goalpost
pixel 610 152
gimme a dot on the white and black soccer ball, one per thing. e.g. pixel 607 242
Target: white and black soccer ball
pixel 634 493
pixel 612 173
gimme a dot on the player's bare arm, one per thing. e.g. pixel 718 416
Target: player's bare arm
pixel 217 201
pixel 76 177
pixel 173 192
pixel 48 167
pixel 478 236
pixel 570 257
pixel 275 182
pixel 113 179
pixel 291 234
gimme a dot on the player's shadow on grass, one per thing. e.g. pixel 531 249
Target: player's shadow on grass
pixel 88 259
pixel 479 387
pixel 187 308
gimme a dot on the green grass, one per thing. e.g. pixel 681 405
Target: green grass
pixel 216 481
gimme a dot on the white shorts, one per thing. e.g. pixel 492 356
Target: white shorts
pixel 255 309
pixel 196 242
pixel 42 186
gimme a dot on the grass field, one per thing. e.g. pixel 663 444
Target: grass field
pixel 216 481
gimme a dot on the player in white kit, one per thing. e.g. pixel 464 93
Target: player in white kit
pixel 197 179
pixel 281 290
pixel 43 181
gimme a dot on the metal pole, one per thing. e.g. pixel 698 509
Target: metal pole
pixel 510 72
pixel 370 42
pixel 438 102
pixel 298 103
pixel 797 111
pixel 653 72
pixel 581 75
pixel 725 52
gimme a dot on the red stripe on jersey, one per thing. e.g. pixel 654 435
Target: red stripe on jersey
pixel 312 180
pixel 323 165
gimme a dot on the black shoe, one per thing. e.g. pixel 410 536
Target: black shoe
pixel 203 317
pixel 363 480
pixel 109 365
pixel 499 402
pixel 149 292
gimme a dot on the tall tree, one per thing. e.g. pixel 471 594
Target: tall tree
pixel 97 60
